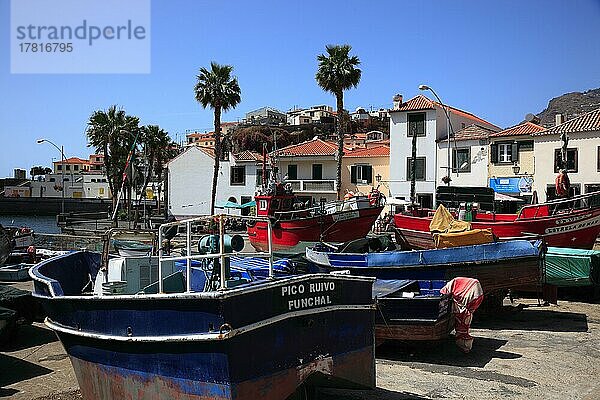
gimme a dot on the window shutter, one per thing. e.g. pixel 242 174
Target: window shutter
pixel 494 151
pixel 515 152
pixel 353 174
pixel 369 171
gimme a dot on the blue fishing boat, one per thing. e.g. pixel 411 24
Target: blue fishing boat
pixel 412 310
pixel 141 327
pixel 497 266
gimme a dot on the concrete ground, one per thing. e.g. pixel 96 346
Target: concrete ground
pixel 526 352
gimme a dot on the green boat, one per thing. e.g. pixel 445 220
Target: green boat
pixel 572 267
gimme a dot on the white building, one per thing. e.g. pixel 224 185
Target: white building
pixel 583 155
pixel 311 168
pixel 468 156
pixel 82 185
pixel 316 114
pixel 426 119
pixel 190 177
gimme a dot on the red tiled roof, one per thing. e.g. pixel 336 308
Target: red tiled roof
pixel 421 102
pixel 228 123
pixel 73 160
pixel 379 151
pixel 588 122
pixel 314 147
pixel 526 128
pixel 248 155
pixel 472 132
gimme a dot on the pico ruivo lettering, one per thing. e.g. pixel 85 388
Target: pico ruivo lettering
pixel 314 294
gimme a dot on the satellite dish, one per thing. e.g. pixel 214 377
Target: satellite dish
pixel 532 118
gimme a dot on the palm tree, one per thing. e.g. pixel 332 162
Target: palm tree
pixel 217 89
pixel 112 132
pixel 157 149
pixel 338 72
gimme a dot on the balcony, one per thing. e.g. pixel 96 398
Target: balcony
pixel 313 186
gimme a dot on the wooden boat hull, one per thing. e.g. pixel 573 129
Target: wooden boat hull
pixel 497 266
pixel 240 343
pixel 578 229
pixel 425 317
pixel 295 235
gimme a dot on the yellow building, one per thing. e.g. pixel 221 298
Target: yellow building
pixel 364 168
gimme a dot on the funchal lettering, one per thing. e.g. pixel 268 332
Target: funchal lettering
pixel 315 294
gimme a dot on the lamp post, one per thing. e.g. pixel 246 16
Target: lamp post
pixel 62 171
pixel 448 124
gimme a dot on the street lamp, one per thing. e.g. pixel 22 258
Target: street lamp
pixel 448 124
pixel 62 170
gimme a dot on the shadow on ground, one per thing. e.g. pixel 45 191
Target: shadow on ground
pixel 377 394
pixel 15 370
pixel 445 352
pixel 532 318
pixel 27 336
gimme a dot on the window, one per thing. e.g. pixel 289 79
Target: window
pixel 461 160
pixel 292 171
pixel 317 172
pixel 504 152
pixel 59 167
pixel 425 200
pixel 571 164
pixel 259 176
pixel 416 124
pixel 419 169
pixel 68 167
pixel 237 176
pixel 361 174
pixel 76 167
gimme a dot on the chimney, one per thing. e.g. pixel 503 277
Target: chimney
pixel 397 101
pixel 559 119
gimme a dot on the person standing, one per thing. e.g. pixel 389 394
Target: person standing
pixel 563 184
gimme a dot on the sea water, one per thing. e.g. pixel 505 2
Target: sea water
pixel 39 224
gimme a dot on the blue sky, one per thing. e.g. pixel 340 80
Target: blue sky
pixel 499 60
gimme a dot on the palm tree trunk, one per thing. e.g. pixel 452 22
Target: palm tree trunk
pixel 217 158
pixel 340 136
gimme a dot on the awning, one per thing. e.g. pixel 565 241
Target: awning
pixel 231 204
pixel 503 197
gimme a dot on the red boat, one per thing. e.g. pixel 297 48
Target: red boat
pixel 573 222
pixel 296 227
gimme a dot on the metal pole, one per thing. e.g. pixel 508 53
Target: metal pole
pixel 160 255
pixel 222 251
pixel 270 244
pixel 189 254
pixel 448 133
pixel 62 202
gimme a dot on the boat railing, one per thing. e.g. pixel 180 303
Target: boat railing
pixel 221 255
pixel 552 207
pixel 329 207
